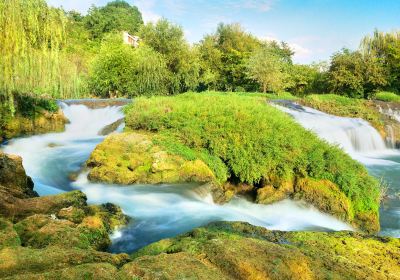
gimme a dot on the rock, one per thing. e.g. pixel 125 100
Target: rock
pixel 44 122
pixel 17 209
pixel 322 194
pixel 22 261
pixel 13 179
pixel 72 214
pixel 235 250
pixel 111 127
pixel 129 158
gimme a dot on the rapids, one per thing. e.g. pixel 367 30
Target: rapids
pixel 157 211
pixel 362 142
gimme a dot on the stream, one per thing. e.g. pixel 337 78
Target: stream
pixel 161 211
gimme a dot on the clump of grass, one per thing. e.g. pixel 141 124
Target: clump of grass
pixel 387 96
pixel 250 141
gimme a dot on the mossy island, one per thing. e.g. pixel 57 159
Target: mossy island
pixel 239 143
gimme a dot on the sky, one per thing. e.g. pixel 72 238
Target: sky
pixel 314 29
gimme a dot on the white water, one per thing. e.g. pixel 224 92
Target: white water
pixel 394 114
pixel 158 211
pixel 355 136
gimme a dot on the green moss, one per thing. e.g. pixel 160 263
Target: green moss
pixel 242 251
pixel 253 143
pixel 130 158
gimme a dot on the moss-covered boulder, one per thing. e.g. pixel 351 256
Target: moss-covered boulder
pixel 132 157
pixel 42 122
pixel 241 251
pixel 24 263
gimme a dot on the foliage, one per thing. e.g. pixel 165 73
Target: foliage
pixel 224 55
pixel 115 16
pixel 387 96
pixel 32 34
pixel 355 75
pixel 168 40
pixel 251 139
pixel 268 69
pixel 385 47
pixel 120 70
pixel 112 69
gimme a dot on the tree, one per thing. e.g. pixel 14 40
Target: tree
pixel 355 75
pixel 120 70
pixel 32 36
pixel 168 40
pixel 115 16
pixel 267 68
pixel 150 73
pixel 384 49
pixel 112 69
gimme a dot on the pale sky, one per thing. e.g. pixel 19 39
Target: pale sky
pixel 315 29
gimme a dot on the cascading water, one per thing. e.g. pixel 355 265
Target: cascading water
pixel 355 136
pixel 158 211
pixel 362 142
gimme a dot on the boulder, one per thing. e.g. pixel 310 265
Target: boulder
pixel 131 157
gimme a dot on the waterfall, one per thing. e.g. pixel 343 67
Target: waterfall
pixel 355 136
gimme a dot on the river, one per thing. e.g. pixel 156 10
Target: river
pixel 160 211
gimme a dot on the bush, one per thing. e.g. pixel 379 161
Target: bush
pixel 252 140
pixel 120 70
pixel 387 96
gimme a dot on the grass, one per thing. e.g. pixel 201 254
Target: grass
pixel 344 107
pixel 250 141
pixel 387 96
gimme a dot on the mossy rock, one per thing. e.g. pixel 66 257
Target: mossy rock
pixel 132 157
pixel 42 122
pixel 322 194
pixel 23 261
pixel 242 251
pixel 90 271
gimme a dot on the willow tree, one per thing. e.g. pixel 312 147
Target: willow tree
pixel 385 49
pixel 32 35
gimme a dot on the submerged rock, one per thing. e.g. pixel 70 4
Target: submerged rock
pixel 111 127
pixel 129 158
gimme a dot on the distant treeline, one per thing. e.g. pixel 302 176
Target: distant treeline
pixel 53 53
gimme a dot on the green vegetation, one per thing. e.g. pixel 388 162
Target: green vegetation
pixel 53 53
pixel 115 16
pixel 250 139
pixel 387 96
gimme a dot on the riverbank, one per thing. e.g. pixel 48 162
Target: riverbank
pixel 32 115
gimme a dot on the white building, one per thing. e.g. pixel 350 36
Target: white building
pixel 130 40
